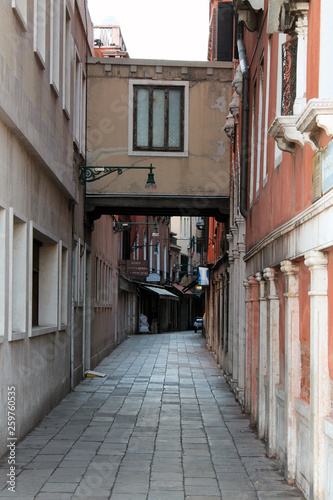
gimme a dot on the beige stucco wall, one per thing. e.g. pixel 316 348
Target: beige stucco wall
pixel 206 168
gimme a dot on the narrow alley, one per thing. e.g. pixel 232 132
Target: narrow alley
pixel 161 425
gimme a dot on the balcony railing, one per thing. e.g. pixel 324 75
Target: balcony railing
pixel 289 67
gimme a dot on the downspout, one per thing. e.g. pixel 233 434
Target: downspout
pixel 245 127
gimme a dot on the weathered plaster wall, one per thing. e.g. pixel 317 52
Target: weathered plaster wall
pixel 206 168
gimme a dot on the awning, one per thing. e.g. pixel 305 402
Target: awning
pixel 181 288
pixel 161 292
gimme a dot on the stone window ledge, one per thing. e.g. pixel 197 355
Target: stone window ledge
pixel 284 132
pixel 318 114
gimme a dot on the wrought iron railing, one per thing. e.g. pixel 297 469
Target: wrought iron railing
pixel 289 66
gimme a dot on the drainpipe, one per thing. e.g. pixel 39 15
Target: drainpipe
pixel 245 127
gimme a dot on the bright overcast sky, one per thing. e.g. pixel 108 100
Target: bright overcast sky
pixel 157 29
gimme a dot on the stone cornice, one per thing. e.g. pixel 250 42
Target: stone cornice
pixel 314 210
pixel 315 259
pixel 317 114
pixel 284 132
pixel 288 267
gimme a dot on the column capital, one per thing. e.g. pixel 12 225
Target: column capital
pixel 288 267
pixel 235 253
pixel 253 281
pixel 241 247
pixel 259 277
pixel 270 274
pixel 262 283
pixel 246 283
pixel 315 259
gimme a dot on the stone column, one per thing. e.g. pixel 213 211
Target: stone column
pixel 225 319
pixel 262 360
pixel 210 318
pixel 221 320
pixel 254 348
pixel 248 305
pixel 235 320
pixel 292 364
pixel 241 312
pixel 231 308
pixel 319 371
pixel 272 356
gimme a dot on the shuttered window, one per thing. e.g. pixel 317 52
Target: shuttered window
pixel 158 120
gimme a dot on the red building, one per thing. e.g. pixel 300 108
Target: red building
pixel 275 344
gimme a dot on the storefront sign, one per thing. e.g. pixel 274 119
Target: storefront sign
pixel 137 268
pixel 316 177
pixel 203 276
pixel 327 167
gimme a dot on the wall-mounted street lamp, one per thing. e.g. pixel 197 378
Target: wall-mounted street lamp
pixel 119 227
pixel 91 174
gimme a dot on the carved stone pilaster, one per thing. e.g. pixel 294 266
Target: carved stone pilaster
pixel 292 364
pixel 273 355
pixel 320 401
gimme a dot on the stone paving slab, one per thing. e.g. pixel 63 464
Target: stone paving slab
pixel 162 425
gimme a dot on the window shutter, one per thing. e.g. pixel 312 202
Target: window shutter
pixel 225 31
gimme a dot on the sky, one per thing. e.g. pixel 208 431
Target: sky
pixel 157 29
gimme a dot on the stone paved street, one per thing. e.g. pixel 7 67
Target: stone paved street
pixel 162 425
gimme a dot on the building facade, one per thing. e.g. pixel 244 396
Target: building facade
pixel 278 358
pixel 58 273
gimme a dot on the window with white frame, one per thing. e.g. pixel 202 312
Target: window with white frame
pixel 40 30
pixel 151 256
pixel 159 123
pixel 253 131
pixel 158 258
pixel 20 8
pixel 83 114
pixel 76 270
pixel 259 129
pixel 282 39
pixel 18 246
pixel 77 99
pixel 45 283
pixel 79 105
pixel 267 91
pixel 82 274
pixel 165 262
pixel 55 24
pixel 2 271
pixel 103 283
pixel 144 245
pixel 137 246
pixel 67 57
pixel 63 288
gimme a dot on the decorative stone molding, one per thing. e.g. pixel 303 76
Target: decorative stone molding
pixel 257 4
pixel 287 267
pixel 246 10
pixel 284 132
pixel 237 82
pixel 234 106
pixel 320 395
pixel 229 127
pixel 293 15
pixel 249 18
pixel 262 284
pixel 318 114
pixel 316 260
